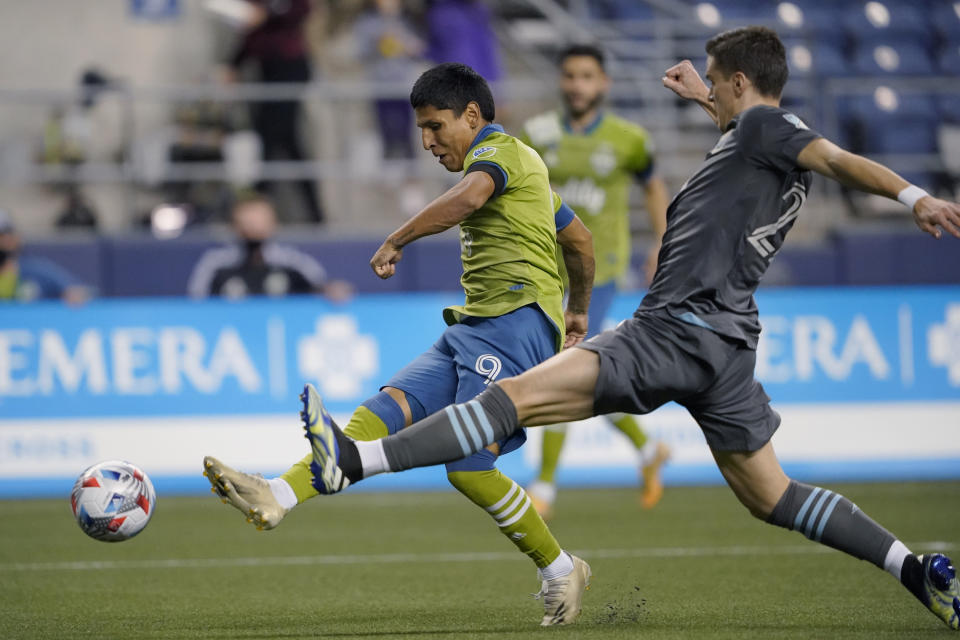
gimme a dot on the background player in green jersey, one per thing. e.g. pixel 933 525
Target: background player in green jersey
pixel 510 223
pixel 593 157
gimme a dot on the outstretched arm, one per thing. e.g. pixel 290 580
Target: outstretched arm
pixel 451 208
pixel 931 214
pixel 576 243
pixel 683 79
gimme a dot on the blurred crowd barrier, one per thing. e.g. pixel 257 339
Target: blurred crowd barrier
pixel 867 382
pixel 139 265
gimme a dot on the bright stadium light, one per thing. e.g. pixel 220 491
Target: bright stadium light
pixel 167 221
pixel 708 14
pixel 790 14
pixel 878 14
pixel 886 99
pixel 801 57
pixel 886 58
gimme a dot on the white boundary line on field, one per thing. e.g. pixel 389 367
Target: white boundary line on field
pixel 400 558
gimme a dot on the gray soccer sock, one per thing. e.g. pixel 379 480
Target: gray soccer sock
pixel 829 518
pixel 453 433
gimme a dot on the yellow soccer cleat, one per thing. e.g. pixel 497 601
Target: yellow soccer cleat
pixel 652 489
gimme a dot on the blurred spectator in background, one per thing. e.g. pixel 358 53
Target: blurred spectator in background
pixel 256 265
pixel 273 37
pixel 67 141
pixel 77 212
pixel 32 278
pixel 460 31
pixel 390 50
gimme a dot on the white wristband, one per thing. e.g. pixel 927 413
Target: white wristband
pixel 910 195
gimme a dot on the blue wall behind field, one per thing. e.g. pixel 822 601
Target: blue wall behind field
pixel 143 266
pixel 870 378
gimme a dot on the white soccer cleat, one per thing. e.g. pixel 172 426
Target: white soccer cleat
pixel 249 494
pixel 562 596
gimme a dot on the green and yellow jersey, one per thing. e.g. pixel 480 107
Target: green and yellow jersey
pixel 508 246
pixel 592 172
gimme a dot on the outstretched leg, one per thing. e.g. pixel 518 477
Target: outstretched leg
pixel 831 519
pixel 265 502
pixel 557 390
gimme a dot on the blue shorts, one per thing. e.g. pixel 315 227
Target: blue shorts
pixel 600 302
pixel 472 354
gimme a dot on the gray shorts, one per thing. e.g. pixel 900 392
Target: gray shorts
pixel 654 358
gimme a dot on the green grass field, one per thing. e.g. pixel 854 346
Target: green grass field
pixel 431 565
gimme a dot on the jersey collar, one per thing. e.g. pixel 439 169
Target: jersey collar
pixel 483 133
pixel 590 128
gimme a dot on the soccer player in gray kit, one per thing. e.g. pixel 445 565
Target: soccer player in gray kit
pixel 693 338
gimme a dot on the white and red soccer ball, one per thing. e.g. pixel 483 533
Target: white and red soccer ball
pixel 113 501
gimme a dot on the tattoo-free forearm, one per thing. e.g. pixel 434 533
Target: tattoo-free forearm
pixel 857 172
pixel 849 169
pixel 448 210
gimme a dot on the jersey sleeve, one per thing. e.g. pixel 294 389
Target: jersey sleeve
pixel 563 215
pixel 773 137
pixel 493 170
pixel 494 159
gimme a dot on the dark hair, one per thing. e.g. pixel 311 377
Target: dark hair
pixel 755 51
pixel 583 50
pixel 453 86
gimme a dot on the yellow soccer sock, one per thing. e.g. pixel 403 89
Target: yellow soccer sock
pixel 510 507
pixel 553 437
pixel 300 479
pixel 630 427
pixel 363 425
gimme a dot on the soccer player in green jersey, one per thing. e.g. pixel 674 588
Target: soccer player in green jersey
pixel 593 157
pixel 510 223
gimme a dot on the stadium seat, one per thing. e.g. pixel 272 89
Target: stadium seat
pixel 888 122
pixel 899 135
pixel 892 58
pixel 737 10
pixel 822 24
pixel 869 22
pixel 948 107
pixel 619 10
pixel 815 59
pixel 946 20
pixel 885 102
pixel 949 60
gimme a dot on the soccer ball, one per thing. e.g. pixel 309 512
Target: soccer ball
pixel 113 501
